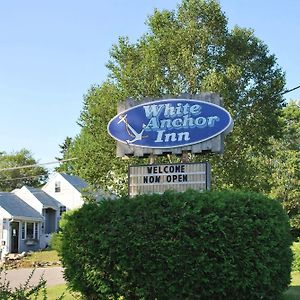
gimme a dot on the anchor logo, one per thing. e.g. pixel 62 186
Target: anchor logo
pixel 137 136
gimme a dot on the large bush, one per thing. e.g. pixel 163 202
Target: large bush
pixel 192 245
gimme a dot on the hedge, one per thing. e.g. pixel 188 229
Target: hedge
pixel 55 241
pixel 192 245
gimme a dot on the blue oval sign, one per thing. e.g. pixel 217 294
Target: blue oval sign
pixel 169 123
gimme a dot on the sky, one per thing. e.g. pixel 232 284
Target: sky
pixel 52 52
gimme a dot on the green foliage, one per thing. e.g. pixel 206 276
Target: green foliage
pixel 192 245
pixel 291 123
pixel 60 291
pixel 285 165
pixel 15 178
pixel 189 50
pixel 56 240
pixel 24 291
pixel 296 254
pixel 94 148
pixel 29 291
pixel 64 148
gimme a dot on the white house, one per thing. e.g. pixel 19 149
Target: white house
pixel 67 189
pixel 28 216
pixel 20 225
pixel 46 205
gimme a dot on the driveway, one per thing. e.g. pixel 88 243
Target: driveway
pixel 53 276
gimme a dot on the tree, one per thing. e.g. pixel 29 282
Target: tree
pixel 93 147
pixel 290 121
pixel 285 173
pixel 64 148
pixel 13 175
pixel 190 50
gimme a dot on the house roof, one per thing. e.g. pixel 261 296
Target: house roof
pixel 17 207
pixel 77 182
pixel 43 197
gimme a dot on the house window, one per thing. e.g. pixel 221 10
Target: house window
pixel 43 223
pixel 36 231
pixel 62 209
pixel 29 230
pixel 57 186
pixel 23 226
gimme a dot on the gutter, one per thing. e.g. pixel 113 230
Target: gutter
pixel 22 218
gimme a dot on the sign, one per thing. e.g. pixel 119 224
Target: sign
pixel 148 179
pixel 169 123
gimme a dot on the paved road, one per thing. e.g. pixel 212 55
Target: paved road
pixel 53 276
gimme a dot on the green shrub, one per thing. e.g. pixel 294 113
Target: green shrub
pixel 55 241
pixel 192 245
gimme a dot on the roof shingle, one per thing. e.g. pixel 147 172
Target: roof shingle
pixel 17 207
pixel 44 198
pixel 77 182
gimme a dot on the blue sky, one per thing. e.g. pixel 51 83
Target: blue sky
pixel 51 52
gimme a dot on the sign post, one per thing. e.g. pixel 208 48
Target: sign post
pixel 179 126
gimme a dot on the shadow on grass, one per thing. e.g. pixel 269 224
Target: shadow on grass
pixel 293 293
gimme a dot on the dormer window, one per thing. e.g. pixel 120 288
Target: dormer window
pixel 57 186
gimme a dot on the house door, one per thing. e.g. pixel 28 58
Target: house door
pixel 14 237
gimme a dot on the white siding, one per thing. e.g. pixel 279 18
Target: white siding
pixel 68 195
pixel 29 198
pixel 4 214
pixel 4 246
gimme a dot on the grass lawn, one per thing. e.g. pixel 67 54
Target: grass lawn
pixel 293 293
pixel 45 256
pixel 54 292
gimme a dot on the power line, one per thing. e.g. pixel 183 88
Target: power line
pixel 287 91
pixel 37 165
